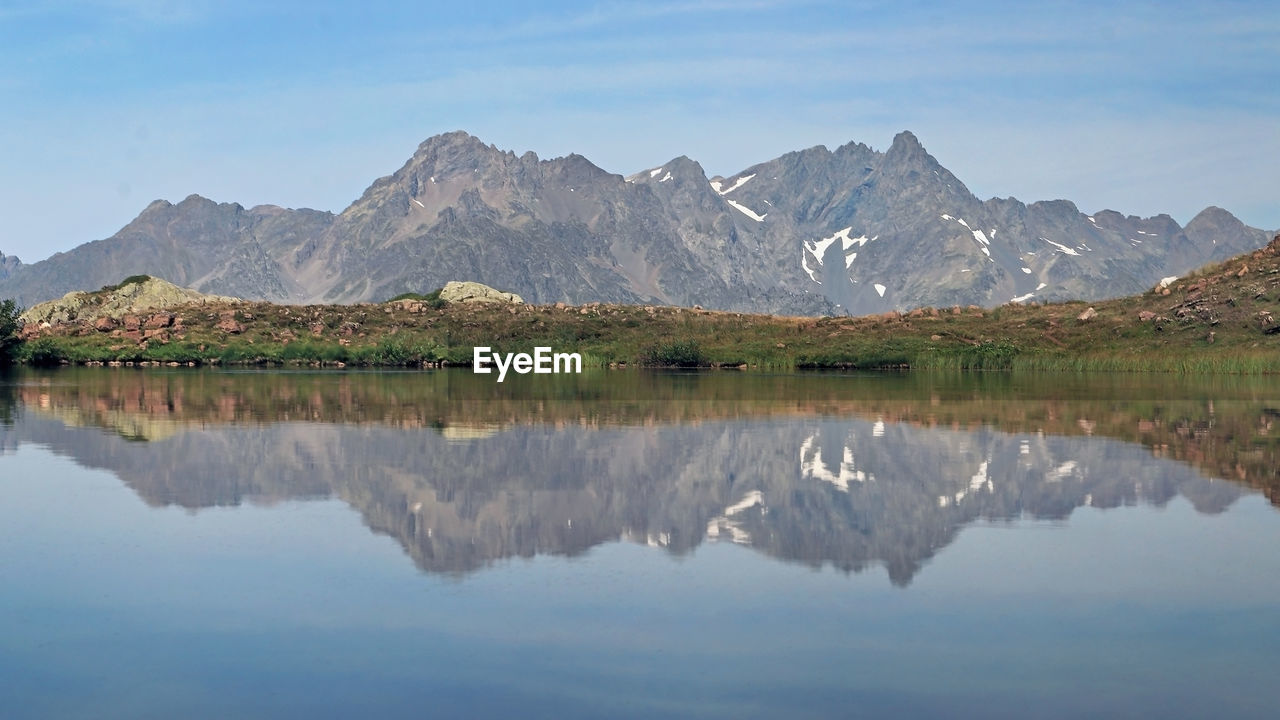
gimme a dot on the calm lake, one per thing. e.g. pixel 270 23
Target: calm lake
pixel 214 544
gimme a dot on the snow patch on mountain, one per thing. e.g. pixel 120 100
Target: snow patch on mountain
pixel 716 184
pixel 847 242
pixel 1061 248
pixel 983 242
pixel 818 248
pixel 804 263
pixel 747 211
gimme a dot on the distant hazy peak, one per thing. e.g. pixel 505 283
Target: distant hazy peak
pixel 1216 216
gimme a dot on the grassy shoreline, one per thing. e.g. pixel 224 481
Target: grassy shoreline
pixel 1221 319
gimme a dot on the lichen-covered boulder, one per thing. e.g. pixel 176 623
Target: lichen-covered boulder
pixel 469 292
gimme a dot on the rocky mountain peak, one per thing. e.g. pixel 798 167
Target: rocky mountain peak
pixel 1214 227
pixel 450 154
pixel 677 173
pixel 8 263
pixel 452 139
pixel 575 168
pixel 856 157
pixel 1059 209
pixel 1215 218
pixel 681 169
pixel 193 208
pixel 686 166
pixel 906 150
pixel 906 141
pixel 195 199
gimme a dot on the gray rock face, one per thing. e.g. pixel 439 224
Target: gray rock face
pixel 815 231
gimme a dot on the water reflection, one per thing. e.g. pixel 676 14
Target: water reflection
pixel 849 472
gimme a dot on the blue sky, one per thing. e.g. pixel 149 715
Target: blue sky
pixel 110 104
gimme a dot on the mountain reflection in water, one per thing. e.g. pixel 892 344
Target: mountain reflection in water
pixel 847 471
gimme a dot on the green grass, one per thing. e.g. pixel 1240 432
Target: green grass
pixel 432 299
pixel 679 353
pixel 131 280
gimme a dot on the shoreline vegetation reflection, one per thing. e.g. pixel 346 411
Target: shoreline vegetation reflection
pixel 850 471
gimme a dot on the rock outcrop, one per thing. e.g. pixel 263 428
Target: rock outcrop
pixel 137 296
pixel 474 292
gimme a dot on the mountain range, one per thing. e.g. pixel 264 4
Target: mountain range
pixel 816 231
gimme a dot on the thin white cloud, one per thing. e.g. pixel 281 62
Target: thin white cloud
pixel 134 12
pixel 621 14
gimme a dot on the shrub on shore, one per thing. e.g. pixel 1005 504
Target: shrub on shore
pixel 9 327
pixel 679 353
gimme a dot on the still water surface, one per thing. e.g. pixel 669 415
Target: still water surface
pixel 273 544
